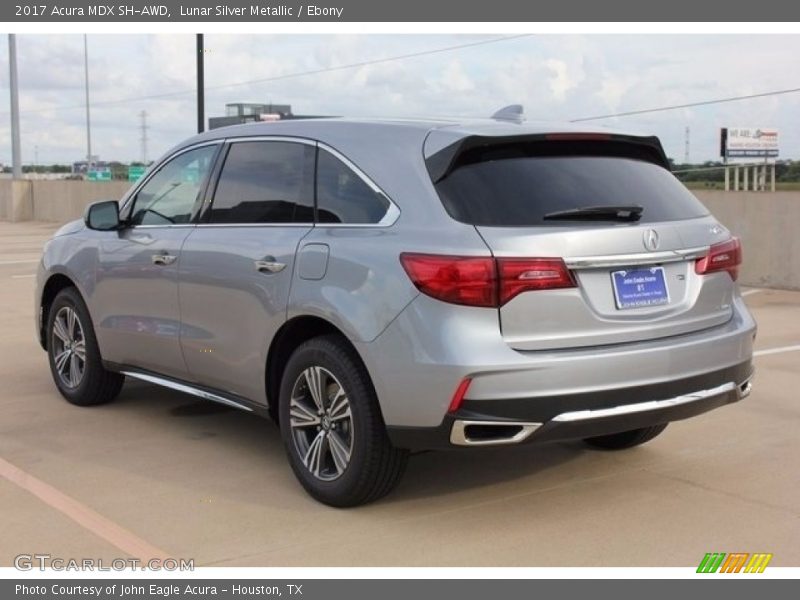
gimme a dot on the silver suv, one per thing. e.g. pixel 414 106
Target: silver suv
pixel 383 286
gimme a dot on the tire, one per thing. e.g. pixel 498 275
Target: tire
pixel 73 354
pixel 626 439
pixel 342 457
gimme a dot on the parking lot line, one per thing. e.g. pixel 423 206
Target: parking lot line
pixel 751 292
pixel 104 528
pixel 19 262
pixel 26 276
pixel 777 350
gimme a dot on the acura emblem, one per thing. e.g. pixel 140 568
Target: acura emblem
pixel 650 239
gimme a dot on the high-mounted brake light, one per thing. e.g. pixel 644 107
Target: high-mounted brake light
pixel 725 256
pixel 483 281
pixel 577 137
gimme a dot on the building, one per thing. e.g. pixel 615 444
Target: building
pixel 237 113
pixel 245 112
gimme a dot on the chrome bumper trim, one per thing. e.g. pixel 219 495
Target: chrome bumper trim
pixel 626 409
pixel 459 434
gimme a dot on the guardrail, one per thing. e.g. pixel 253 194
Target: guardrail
pixel 765 221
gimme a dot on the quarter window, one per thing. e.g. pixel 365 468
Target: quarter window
pixel 266 182
pixel 169 196
pixel 343 196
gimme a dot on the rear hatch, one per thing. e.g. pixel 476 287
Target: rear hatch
pixel 628 232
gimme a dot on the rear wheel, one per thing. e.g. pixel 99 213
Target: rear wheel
pixel 332 427
pixel 626 439
pixel 73 354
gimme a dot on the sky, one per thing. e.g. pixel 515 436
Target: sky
pixel 555 77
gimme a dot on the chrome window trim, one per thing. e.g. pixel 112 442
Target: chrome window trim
pixel 643 258
pixel 166 226
pixel 388 219
pixel 123 205
pixel 217 225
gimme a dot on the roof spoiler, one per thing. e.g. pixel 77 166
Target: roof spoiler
pixel 446 160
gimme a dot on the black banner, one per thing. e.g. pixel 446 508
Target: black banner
pixel 45 11
pixel 733 588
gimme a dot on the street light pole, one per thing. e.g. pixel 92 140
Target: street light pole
pixel 88 116
pixel 16 155
pixel 201 118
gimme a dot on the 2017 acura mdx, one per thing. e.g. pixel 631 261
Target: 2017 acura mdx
pixel 378 286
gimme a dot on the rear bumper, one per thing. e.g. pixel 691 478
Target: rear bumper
pixel 421 358
pixel 579 416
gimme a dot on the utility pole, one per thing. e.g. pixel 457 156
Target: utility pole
pixel 201 118
pixel 686 147
pixel 88 117
pixel 16 158
pixel 143 139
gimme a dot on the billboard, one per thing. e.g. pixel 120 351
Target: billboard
pixel 748 142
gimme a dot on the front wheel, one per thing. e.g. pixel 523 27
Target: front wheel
pixel 626 439
pixel 73 353
pixel 332 427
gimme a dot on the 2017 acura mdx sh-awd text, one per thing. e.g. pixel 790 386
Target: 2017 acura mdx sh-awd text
pixel 380 286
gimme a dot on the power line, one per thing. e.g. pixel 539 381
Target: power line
pixel 688 105
pixel 364 63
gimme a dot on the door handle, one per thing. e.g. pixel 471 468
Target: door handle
pixel 163 259
pixel 269 265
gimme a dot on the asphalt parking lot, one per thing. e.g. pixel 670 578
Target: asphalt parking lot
pixel 160 473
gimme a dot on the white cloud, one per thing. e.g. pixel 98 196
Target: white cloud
pixel 556 77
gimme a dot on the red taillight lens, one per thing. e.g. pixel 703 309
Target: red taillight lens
pixel 456 279
pixel 519 275
pixel 483 281
pixel 725 256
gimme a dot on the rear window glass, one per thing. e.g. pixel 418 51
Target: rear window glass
pixel 518 191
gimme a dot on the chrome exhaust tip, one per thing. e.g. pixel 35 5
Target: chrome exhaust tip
pixel 490 433
pixel 745 389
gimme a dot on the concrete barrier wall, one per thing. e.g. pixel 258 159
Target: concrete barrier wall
pixel 58 201
pixel 768 223
pixel 769 227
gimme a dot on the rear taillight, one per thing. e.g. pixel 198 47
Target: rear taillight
pixel 483 281
pixel 725 256
pixel 455 279
pixel 519 275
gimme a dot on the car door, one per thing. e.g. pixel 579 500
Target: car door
pixel 136 287
pixel 236 266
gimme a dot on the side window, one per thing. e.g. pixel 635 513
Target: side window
pixel 170 195
pixel 266 182
pixel 343 196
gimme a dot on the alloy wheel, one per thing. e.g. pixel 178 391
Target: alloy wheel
pixel 321 423
pixel 68 347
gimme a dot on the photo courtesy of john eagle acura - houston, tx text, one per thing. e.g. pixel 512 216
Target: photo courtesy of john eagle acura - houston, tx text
pixel 380 286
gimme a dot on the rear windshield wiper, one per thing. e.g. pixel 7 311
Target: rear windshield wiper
pixel 597 213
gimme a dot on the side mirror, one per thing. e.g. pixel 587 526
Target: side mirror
pixel 102 216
